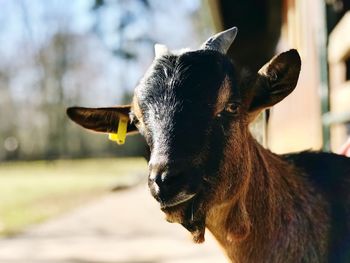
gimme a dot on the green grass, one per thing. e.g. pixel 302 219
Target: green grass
pixel 31 192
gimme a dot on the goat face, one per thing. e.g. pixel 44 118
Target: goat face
pixel 193 109
pixel 176 109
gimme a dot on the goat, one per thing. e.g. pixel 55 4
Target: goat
pixel 207 171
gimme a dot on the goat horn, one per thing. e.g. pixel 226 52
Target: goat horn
pixel 222 41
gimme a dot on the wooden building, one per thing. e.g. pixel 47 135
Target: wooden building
pixel 267 27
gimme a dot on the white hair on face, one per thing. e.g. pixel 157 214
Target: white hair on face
pixel 181 51
pixel 162 50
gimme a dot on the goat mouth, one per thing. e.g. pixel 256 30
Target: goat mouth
pixel 189 213
pixel 177 200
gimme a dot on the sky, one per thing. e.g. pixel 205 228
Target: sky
pixel 26 25
pixel 36 20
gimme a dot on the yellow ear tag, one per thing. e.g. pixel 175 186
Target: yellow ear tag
pixel 120 136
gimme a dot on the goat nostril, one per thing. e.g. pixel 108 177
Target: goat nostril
pixel 154 180
pixel 166 175
pixel 153 176
pixel 162 180
pixel 167 179
pixel 158 180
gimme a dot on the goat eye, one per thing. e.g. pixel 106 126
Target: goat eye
pixel 231 108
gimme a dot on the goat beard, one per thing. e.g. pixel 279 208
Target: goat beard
pixel 191 215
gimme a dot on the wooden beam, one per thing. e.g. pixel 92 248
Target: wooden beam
pixel 339 41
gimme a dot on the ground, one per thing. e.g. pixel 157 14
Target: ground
pixel 126 226
pixel 32 192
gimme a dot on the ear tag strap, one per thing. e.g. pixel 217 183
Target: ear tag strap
pixel 120 136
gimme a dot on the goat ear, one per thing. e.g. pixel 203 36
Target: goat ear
pixel 275 81
pixel 101 119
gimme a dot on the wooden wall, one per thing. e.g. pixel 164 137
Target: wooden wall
pixel 295 123
pixel 267 27
pixel 339 69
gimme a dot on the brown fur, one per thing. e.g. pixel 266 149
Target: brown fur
pixel 268 208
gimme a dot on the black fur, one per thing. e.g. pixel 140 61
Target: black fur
pixel 331 174
pixel 173 91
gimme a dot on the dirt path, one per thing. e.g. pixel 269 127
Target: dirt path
pixel 121 227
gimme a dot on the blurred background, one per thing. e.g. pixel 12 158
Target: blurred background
pixel 62 189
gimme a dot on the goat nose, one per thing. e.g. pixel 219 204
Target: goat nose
pixel 157 176
pixel 161 177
